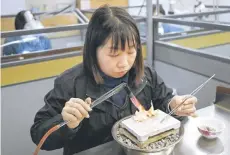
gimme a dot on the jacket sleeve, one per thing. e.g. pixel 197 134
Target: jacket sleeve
pixel 47 43
pixel 9 49
pixel 50 115
pixel 162 94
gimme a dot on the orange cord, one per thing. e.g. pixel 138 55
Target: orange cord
pixel 56 127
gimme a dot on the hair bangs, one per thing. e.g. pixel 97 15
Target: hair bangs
pixel 122 35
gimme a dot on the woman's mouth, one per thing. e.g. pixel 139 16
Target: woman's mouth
pixel 122 72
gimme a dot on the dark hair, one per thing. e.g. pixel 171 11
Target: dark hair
pixel 20 20
pixel 116 23
pixel 162 11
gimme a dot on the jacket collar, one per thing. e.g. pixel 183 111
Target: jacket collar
pixel 95 90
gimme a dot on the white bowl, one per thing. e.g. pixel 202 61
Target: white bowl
pixel 206 126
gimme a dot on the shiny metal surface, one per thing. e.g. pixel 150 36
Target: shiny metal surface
pixel 201 24
pixel 186 15
pixel 192 142
pixel 167 151
pixel 132 151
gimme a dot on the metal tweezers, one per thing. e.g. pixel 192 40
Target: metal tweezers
pixel 108 94
pixel 187 97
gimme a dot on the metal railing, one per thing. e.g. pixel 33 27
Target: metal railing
pixel 52 29
pixel 199 14
pixel 206 25
pixel 164 19
pixel 219 6
pixel 44 30
pixel 45 55
pixel 171 54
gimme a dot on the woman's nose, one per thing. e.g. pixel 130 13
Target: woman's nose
pixel 123 61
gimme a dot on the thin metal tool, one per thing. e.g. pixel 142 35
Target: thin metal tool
pixel 109 94
pixel 189 96
pixel 103 98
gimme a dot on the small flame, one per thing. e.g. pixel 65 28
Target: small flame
pixel 142 114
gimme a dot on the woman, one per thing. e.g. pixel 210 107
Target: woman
pixel 29 43
pixel 112 55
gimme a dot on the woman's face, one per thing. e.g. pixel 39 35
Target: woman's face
pixel 116 64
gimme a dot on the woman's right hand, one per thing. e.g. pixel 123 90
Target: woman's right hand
pixel 75 111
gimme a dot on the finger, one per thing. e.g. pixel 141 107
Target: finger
pixel 187 106
pixel 78 100
pixel 76 112
pixel 81 109
pixel 189 111
pixel 194 115
pixel 184 97
pixel 74 102
pixel 73 111
pixel 86 106
pixel 179 109
pixel 182 113
pixel 191 100
pixel 69 117
pixel 185 110
pixel 88 100
pixel 179 113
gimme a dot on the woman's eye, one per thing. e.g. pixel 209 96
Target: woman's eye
pixel 131 52
pixel 113 55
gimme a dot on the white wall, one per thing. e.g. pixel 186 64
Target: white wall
pixel 19 106
pixel 48 5
pixel 12 6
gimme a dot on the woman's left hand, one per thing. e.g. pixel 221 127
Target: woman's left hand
pixel 187 109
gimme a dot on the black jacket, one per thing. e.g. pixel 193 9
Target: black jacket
pixel 96 130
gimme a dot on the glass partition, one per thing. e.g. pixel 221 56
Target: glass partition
pixel 54 38
pixel 211 37
pixel 39 42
